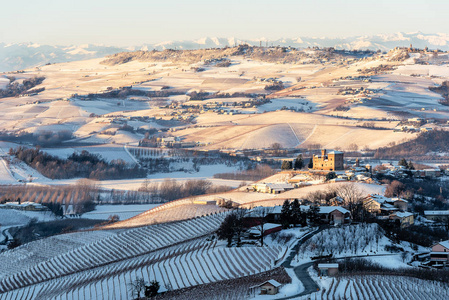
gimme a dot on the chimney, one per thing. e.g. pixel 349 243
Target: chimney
pixel 323 152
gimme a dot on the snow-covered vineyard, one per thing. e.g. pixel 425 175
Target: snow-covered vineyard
pixel 171 211
pixel 102 264
pixel 382 288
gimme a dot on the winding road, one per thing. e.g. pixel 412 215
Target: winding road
pixel 310 286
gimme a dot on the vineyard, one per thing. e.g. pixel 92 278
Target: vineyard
pixel 172 211
pixel 382 288
pixel 178 255
pixel 131 243
pixel 348 240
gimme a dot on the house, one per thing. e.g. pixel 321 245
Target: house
pixel 380 204
pixel 437 215
pixel 299 179
pixel 405 218
pixel 328 269
pixel 272 188
pixel 270 287
pixel 440 253
pixel 371 205
pixel 432 173
pixel 336 215
pixel 274 214
pixel 399 203
pixel 268 228
pixel 332 161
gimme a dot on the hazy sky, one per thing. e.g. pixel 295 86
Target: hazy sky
pixel 134 22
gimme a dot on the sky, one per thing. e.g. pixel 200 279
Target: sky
pixel 136 22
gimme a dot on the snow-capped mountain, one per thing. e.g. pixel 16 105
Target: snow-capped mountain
pixel 25 55
pixel 373 42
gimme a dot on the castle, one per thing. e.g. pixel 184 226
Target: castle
pixel 332 161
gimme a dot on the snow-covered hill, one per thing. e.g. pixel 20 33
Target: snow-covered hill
pixel 25 55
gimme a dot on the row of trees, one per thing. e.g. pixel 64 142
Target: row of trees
pixel 82 164
pixel 298 163
pixel 291 214
pixel 170 189
pixel 235 225
pixel 81 196
pixel 408 165
pixel 428 145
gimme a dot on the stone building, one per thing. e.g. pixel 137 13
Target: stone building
pixel 332 161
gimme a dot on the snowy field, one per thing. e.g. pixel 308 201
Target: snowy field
pixel 287 103
pixel 108 153
pixel 102 212
pixel 107 106
pixel 4 82
pixel 316 83
pixel 13 217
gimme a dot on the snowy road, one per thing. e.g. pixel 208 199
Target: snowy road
pixel 310 286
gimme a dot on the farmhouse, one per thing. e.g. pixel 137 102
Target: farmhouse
pixel 270 287
pixel 272 188
pixel 440 253
pixel 405 218
pixel 334 215
pixel 328 269
pixel 380 204
pixel 332 161
pixel 268 228
pixel 371 205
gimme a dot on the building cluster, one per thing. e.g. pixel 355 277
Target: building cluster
pixel 393 209
pixel 28 206
pixel 397 171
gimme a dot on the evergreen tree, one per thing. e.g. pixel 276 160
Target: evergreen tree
pixel 313 214
pixel 296 212
pixel 410 166
pixel 330 175
pixel 403 163
pixel 310 165
pixel 227 228
pixel 152 289
pixel 286 165
pixel 285 214
pixel 299 162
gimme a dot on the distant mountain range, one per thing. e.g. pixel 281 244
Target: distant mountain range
pixel 26 55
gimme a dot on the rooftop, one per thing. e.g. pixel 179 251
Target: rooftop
pixel 436 212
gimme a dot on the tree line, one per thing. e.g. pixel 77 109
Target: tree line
pixel 170 189
pixel 84 164
pixel 434 141
pixel 15 88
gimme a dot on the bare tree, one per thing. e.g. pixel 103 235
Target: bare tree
pixel 351 196
pixel 261 214
pixel 136 287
